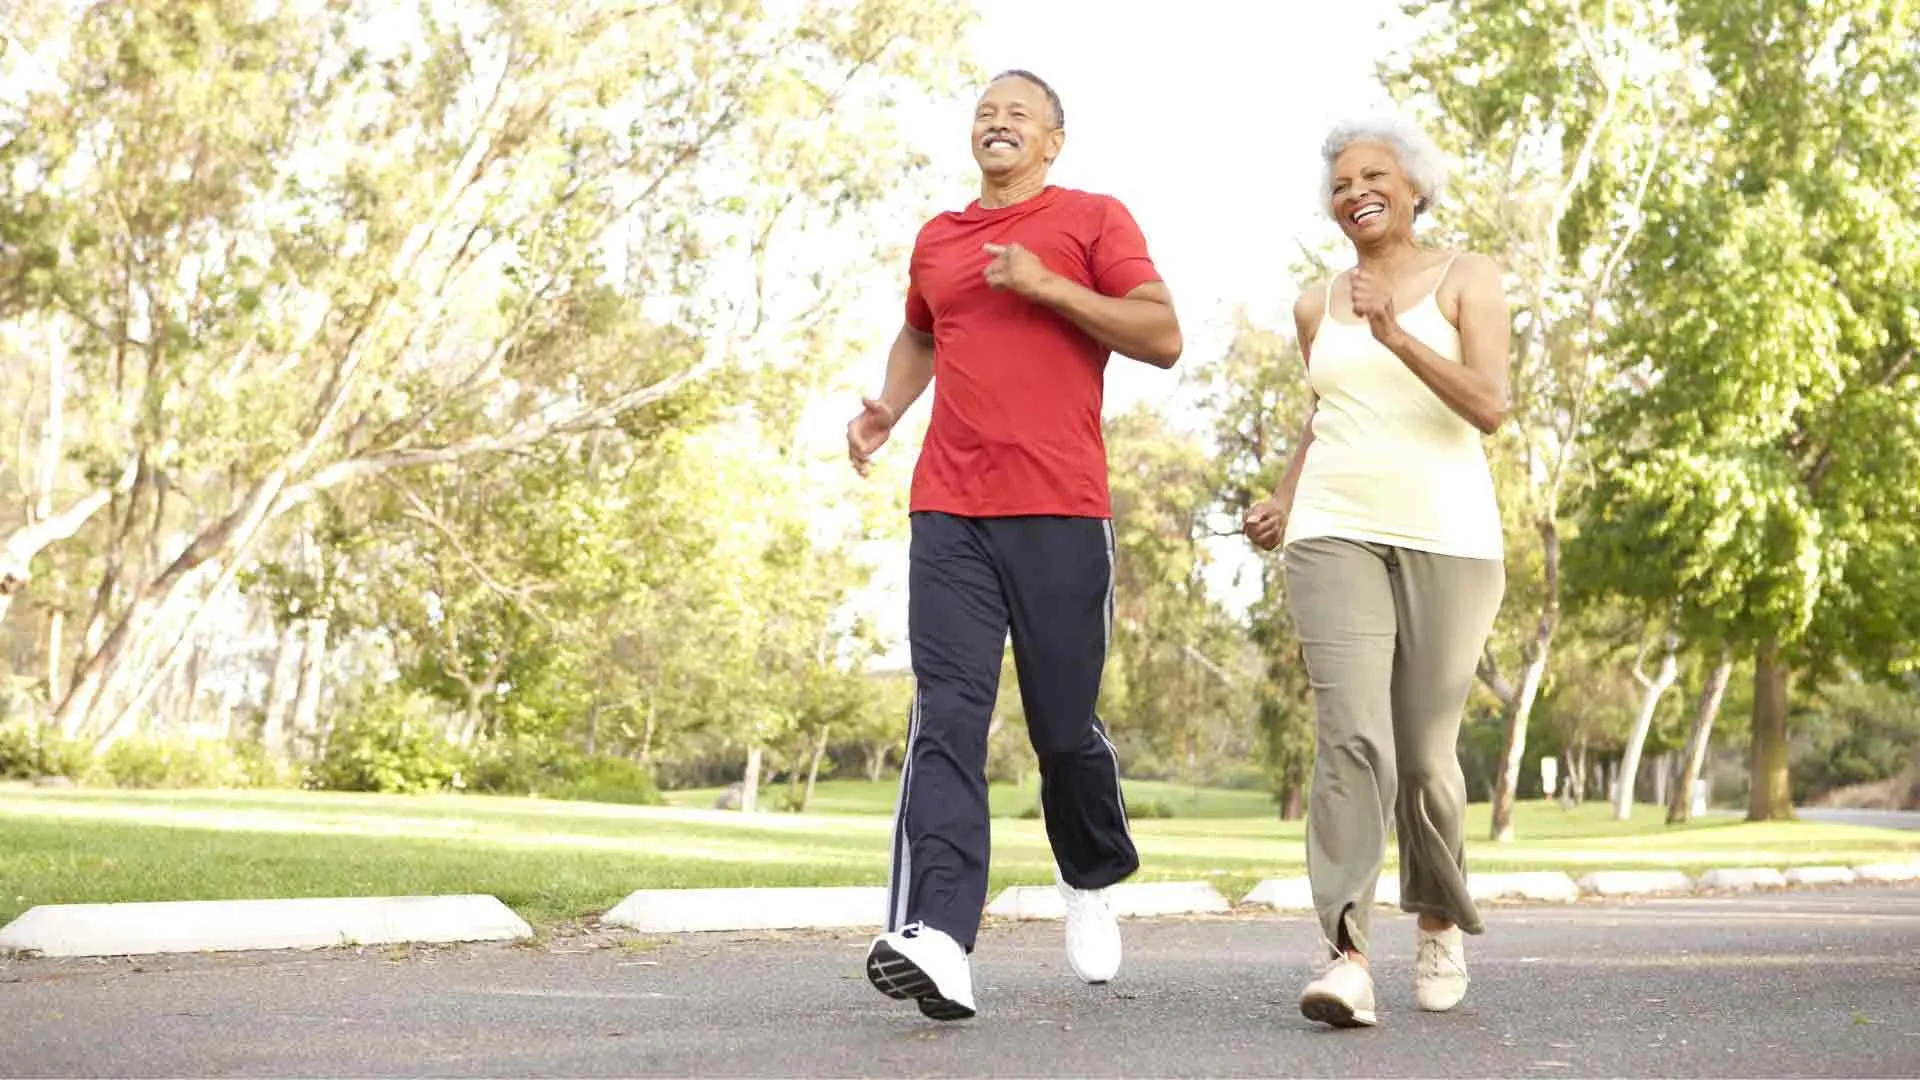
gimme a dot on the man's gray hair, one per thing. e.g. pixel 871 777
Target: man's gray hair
pixel 1419 158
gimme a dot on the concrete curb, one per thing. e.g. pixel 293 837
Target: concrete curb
pixel 1550 886
pixel 1820 875
pixel 237 925
pixel 1743 879
pixel 1635 883
pixel 1129 899
pixel 1295 894
pixel 679 911
pixel 1883 873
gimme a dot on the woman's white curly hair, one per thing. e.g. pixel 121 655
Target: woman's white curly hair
pixel 1419 158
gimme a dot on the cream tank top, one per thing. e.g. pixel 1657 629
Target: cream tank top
pixel 1390 463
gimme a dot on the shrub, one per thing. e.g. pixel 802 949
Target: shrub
pixel 532 765
pixel 1149 809
pixel 181 763
pixel 609 780
pixel 28 752
pixel 394 744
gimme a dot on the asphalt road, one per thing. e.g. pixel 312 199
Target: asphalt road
pixel 1881 819
pixel 1818 983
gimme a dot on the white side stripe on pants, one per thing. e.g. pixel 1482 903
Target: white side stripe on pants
pixel 1106 646
pixel 900 882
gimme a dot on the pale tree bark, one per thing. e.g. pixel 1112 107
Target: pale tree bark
pixel 1772 796
pixel 282 685
pixel 1694 757
pixel 813 766
pixel 190 689
pixel 646 732
pixel 750 781
pixel 1519 701
pixel 56 649
pixel 306 705
pixel 1654 687
pixel 21 545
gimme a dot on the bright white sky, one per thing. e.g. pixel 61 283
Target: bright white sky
pixel 1205 118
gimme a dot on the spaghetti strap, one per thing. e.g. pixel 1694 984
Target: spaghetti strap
pixel 1445 269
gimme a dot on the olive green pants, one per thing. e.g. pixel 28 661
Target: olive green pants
pixel 1391 638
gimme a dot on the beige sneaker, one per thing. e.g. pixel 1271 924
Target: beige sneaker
pixel 1341 995
pixel 1440 970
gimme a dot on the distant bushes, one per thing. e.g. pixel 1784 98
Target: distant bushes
pixel 28 753
pixel 397 745
pixel 1137 810
pixel 394 745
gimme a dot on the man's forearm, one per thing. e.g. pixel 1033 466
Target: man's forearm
pixel 909 370
pixel 1143 329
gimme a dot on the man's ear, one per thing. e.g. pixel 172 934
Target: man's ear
pixel 1056 141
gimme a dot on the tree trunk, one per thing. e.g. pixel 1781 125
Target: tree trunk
pixel 230 537
pixel 1507 784
pixel 282 686
pixel 306 709
pixel 813 767
pixel 1519 706
pixel 1662 773
pixel 646 735
pixel 56 651
pixel 877 755
pixel 1655 688
pixel 1699 737
pixel 593 729
pixel 1294 808
pixel 750 781
pixel 1772 690
pixel 196 669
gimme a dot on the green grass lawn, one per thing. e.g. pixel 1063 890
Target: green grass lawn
pixel 555 861
pixel 1004 800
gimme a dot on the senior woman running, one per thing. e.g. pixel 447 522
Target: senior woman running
pixel 1394 562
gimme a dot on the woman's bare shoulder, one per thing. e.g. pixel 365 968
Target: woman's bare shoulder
pixel 1312 302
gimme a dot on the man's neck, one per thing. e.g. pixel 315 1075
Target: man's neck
pixel 996 194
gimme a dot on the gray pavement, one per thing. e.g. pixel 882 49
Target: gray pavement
pixel 1815 983
pixel 1880 819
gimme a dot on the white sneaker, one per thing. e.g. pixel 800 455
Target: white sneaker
pixel 919 962
pixel 1093 933
pixel 1341 995
pixel 1440 970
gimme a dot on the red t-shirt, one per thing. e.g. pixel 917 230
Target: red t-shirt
pixel 1017 388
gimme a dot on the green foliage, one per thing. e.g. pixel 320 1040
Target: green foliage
pixel 1854 733
pixel 29 752
pixel 532 765
pixel 393 744
pixel 1150 810
pixel 150 762
pixel 1257 399
pixel 1760 473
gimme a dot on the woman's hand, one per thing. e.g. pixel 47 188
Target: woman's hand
pixel 1265 524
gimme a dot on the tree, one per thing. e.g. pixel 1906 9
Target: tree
pixel 301 248
pixel 1562 113
pixel 1179 681
pixel 1257 398
pixel 1760 474
pixel 1653 687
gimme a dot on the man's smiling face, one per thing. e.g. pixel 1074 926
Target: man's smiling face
pixel 1014 129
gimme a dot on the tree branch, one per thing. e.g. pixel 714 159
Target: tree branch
pixel 1489 672
pixel 24 543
